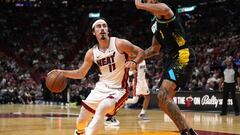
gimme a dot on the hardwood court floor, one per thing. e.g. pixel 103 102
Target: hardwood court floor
pixel 57 120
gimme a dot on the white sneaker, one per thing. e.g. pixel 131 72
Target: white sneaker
pixel 111 121
pixel 143 117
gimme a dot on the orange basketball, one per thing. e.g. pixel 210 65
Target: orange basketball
pixel 56 82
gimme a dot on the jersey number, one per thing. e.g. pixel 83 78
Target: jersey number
pixel 112 67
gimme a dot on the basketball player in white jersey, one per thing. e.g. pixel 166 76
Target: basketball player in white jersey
pixel 111 91
pixel 140 88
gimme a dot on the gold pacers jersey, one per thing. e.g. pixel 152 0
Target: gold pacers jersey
pixel 111 65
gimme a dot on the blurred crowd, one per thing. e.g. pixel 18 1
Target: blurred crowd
pixel 16 84
pixel 35 40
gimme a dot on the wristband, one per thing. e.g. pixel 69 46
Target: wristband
pixel 134 61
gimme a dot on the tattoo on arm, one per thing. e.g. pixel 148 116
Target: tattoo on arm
pixel 150 52
pixel 154 49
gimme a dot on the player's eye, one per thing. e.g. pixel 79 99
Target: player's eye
pixel 104 25
pixel 98 26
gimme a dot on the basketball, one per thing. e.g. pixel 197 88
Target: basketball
pixel 56 82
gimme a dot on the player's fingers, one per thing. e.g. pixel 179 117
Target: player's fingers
pixel 54 70
pixel 130 64
pixel 126 65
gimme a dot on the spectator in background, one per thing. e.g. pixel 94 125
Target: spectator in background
pixel 213 81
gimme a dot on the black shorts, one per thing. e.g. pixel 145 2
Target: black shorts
pixel 179 68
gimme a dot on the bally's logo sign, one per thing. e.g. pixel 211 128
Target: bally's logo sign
pixel 205 100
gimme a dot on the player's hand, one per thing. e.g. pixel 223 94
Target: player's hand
pixel 237 88
pixel 54 70
pixel 221 85
pixel 131 64
pixel 138 4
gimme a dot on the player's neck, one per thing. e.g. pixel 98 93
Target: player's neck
pixel 229 67
pixel 103 45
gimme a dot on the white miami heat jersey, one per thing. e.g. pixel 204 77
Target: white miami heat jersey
pixel 111 65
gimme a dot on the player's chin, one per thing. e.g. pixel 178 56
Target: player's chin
pixel 103 37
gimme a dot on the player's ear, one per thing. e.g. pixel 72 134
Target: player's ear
pixel 109 31
pixel 93 32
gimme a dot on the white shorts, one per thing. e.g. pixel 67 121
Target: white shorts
pixel 101 92
pixel 142 88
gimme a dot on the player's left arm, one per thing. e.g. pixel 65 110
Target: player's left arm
pixel 125 46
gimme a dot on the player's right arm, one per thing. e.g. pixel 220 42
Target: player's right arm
pixel 157 9
pixel 153 50
pixel 83 70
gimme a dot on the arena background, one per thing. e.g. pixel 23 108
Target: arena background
pixel 37 36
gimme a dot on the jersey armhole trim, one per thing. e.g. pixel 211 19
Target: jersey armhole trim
pixel 167 21
pixel 93 54
pixel 117 47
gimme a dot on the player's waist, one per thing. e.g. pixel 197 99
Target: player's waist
pixel 110 85
pixel 177 52
pixel 232 83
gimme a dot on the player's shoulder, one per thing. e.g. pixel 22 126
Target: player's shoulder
pixel 89 53
pixel 121 41
pixel 122 44
pixel 90 50
pixel 119 44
